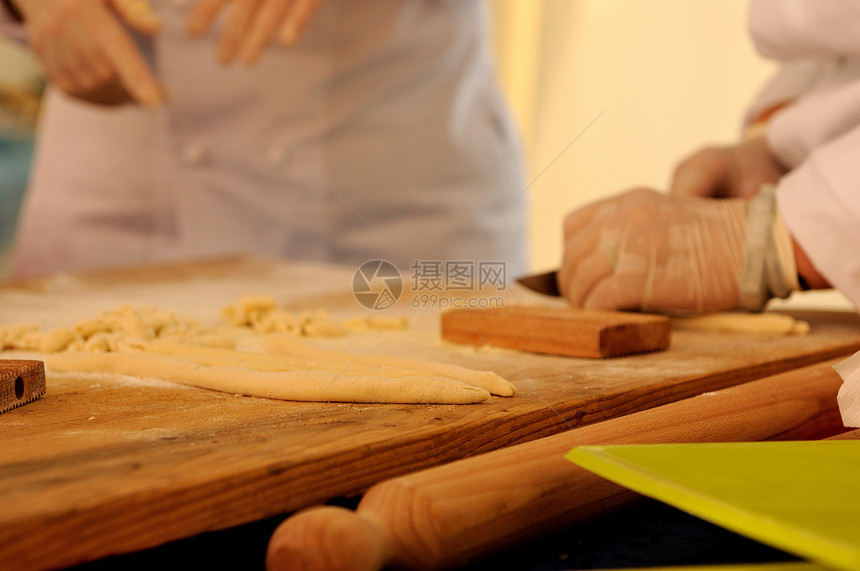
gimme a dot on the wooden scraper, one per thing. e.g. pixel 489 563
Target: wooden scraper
pixel 20 382
pixel 559 331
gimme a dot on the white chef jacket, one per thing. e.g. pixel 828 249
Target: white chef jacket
pixel 817 136
pixel 381 134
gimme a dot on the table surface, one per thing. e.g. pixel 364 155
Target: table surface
pixel 103 465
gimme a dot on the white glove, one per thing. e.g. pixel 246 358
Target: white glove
pixel 251 24
pixel 650 251
pixel 84 48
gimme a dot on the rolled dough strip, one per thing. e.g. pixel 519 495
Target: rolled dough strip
pixel 294 385
pixel 291 345
pixel 757 323
pixel 303 355
pixel 209 356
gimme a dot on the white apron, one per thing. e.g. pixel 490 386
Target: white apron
pixel 382 134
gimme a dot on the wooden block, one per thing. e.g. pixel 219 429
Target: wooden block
pixel 20 382
pixel 559 331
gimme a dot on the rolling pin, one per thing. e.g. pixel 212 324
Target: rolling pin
pixel 448 515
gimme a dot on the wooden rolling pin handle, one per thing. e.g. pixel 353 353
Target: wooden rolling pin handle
pixel 444 516
pixel 346 541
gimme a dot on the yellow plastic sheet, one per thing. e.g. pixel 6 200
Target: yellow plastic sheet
pixel 786 566
pixel 801 497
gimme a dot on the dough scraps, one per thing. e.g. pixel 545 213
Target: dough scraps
pixel 147 342
pixel 262 314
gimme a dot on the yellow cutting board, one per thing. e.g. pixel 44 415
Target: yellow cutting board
pixel 781 566
pixel 802 497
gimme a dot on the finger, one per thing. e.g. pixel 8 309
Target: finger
pixel 300 16
pixel 87 83
pixel 55 63
pixel 69 65
pixel 87 55
pixel 693 181
pixel 602 225
pixel 64 82
pixel 263 29
pixel 131 69
pixel 592 270
pixel 105 88
pixel 598 212
pixel 576 221
pixel 138 14
pixel 611 294
pixel 238 20
pixel 111 95
pixel 578 247
pixel 202 16
pixel 626 288
pixel 97 85
pixel 703 174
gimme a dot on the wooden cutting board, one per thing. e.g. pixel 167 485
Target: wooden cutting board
pixel 103 464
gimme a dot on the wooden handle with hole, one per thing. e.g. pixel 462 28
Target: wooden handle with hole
pixel 447 515
pixel 21 381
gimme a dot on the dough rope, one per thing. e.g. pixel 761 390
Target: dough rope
pixel 775 324
pixel 309 386
pixel 488 380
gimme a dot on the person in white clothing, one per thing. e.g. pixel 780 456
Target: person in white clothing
pixel 718 241
pixel 371 130
pixel 715 242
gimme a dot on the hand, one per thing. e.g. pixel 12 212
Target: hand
pixel 650 251
pixel 85 49
pixel 727 172
pixel 251 24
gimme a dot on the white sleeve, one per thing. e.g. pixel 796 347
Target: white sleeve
pixel 788 29
pixel 819 116
pixel 793 79
pixel 820 203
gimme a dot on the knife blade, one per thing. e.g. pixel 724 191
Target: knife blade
pixel 545 283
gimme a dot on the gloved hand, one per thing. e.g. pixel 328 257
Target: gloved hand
pixel 727 172
pixel 650 251
pixel 251 24
pixel 84 48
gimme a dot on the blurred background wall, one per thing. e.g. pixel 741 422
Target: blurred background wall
pixel 653 78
